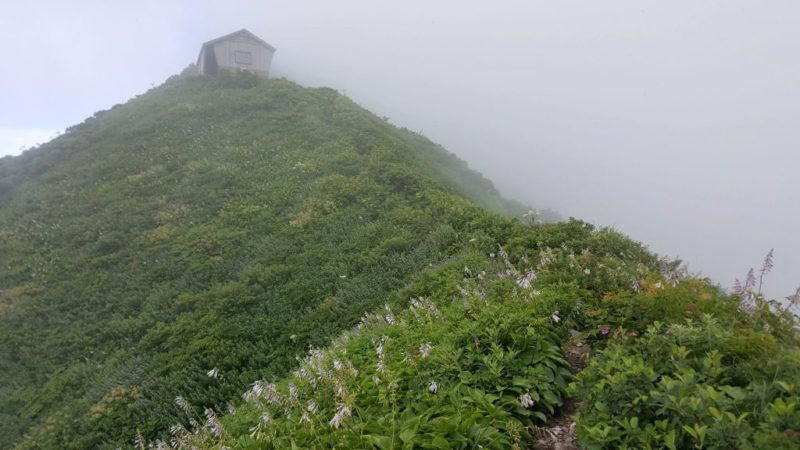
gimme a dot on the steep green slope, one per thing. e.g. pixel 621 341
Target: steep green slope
pixel 225 224
pixel 170 254
pixel 474 355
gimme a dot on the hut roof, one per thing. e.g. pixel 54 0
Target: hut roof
pixel 235 33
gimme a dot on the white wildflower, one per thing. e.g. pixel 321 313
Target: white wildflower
pixel 271 394
pixel 311 406
pixel 389 315
pixel 337 365
pixel 292 391
pixel 555 317
pixel 305 419
pixel 587 271
pixel 433 387
pixel 257 388
pixel 381 365
pixel 177 429
pixel 546 257
pixel 139 440
pixel 213 373
pixel 212 422
pixel 526 401
pixel 422 305
pixel 179 434
pixel 376 379
pixel 342 414
pixel 184 405
pixel 304 374
pixel 339 389
pixel 525 281
pixel 425 349
pixel 266 418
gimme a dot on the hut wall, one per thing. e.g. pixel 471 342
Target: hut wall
pixel 242 52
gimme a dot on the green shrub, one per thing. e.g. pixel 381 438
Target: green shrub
pixel 687 386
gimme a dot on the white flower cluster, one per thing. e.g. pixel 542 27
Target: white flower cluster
pixel 380 367
pixel 390 319
pixel 425 349
pixel 526 281
pixel 546 257
pixel 526 401
pixel 423 306
pixel 212 422
pixel 342 414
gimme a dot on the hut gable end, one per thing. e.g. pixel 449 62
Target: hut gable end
pixel 241 50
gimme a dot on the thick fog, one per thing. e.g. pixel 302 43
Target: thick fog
pixel 675 122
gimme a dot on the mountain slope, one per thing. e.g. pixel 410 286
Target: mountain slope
pixel 208 223
pixel 477 359
pixel 170 254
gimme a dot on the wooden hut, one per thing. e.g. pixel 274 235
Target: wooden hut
pixel 241 50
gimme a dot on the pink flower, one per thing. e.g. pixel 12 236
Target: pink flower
pixel 477 342
pixel 605 330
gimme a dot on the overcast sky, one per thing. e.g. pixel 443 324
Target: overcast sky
pixel 677 122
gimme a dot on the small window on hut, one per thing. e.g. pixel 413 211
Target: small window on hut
pixel 243 58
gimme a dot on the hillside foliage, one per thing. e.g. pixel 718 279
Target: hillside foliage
pixel 248 264
pixel 475 359
pixel 225 223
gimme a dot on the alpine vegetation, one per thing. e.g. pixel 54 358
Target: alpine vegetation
pixel 244 263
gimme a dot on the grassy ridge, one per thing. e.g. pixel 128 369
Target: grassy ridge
pixel 475 359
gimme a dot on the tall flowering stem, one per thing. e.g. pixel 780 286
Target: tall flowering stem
pixel 793 300
pixel 765 268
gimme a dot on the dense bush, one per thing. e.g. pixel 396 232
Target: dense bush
pixel 700 384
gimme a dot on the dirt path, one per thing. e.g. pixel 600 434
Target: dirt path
pixel 558 433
